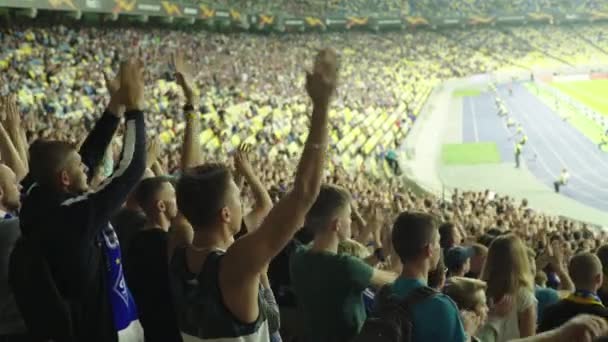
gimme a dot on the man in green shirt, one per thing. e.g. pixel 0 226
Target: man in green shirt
pixel 329 286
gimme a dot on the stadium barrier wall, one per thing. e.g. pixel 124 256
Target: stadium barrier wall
pixel 241 18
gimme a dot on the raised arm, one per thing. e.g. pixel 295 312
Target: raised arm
pixel 8 151
pixel 112 193
pixel 94 146
pixel 243 263
pixel 191 149
pixel 14 130
pixel 263 202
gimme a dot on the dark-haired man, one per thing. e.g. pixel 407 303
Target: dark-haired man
pixel 70 227
pixel 147 268
pixel 416 241
pixel 222 277
pixel 586 272
pixel 329 286
pixel 458 260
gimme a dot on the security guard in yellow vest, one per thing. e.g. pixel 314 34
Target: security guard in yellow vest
pixel 518 148
pixel 523 140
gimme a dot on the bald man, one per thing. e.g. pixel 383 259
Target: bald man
pixel 586 272
pixel 12 327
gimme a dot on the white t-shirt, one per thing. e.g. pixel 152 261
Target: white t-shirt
pixel 508 327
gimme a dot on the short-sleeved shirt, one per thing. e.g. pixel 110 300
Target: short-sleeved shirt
pixel 329 290
pixel 434 319
pixel 545 296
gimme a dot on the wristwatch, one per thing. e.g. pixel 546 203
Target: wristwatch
pixel 379 254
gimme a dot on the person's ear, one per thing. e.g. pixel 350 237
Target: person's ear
pixel 64 178
pixel 427 250
pixel 225 215
pixel 160 205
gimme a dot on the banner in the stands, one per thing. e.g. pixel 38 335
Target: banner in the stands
pixel 540 16
pixel 416 21
pixel 356 21
pixel 480 20
pixel 314 22
pixel 206 12
pixel 239 18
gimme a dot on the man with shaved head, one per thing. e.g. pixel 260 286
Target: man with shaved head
pixel 586 272
pixel 11 323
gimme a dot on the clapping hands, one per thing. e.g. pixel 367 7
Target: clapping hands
pixel 321 83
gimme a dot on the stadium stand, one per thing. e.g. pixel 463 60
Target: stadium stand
pixel 242 107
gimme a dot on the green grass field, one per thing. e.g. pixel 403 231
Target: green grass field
pixel 466 92
pixel 470 154
pixel 580 121
pixel 594 94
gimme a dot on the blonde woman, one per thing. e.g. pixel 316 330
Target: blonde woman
pixel 507 273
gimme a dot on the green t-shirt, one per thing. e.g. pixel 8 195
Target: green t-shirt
pixel 329 290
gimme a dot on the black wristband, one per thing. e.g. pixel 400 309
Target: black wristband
pixel 188 108
pixel 379 254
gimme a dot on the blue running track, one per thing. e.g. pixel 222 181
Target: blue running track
pixel 552 143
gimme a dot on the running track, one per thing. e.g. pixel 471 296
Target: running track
pixel 552 143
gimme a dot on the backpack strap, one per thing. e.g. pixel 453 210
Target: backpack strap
pixel 416 296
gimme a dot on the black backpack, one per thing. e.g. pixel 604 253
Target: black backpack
pixel 391 320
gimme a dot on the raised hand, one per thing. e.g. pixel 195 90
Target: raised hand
pixel 113 88
pixel 321 83
pixel 11 119
pixel 152 151
pixel 183 75
pixel 131 90
pixel 241 160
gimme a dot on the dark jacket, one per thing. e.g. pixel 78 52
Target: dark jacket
pixel 67 230
pixel 559 313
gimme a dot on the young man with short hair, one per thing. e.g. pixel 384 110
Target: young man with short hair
pixel 416 241
pixel 221 277
pixel 458 260
pixel 586 272
pixel 69 227
pixel 328 286
pixel 147 261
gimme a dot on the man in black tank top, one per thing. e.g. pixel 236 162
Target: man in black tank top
pixel 222 276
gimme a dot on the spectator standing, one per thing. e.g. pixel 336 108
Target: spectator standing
pixel 586 272
pixel 330 297
pixel 458 260
pixel 564 176
pixel 70 227
pixel 220 277
pixel 480 253
pixel 147 261
pixel 507 273
pixel 416 241
pixel 450 235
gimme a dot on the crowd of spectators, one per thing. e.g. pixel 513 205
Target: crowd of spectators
pixel 192 251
